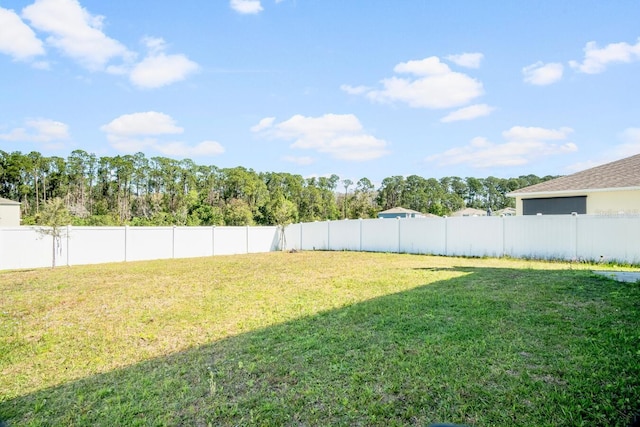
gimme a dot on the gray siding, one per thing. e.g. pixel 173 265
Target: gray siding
pixel 555 205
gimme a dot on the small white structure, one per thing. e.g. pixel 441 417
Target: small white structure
pixel 9 213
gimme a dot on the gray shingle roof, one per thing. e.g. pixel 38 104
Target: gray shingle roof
pixel 400 210
pixel 469 212
pixel 624 173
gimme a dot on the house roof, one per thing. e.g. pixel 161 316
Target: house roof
pixel 506 211
pixel 621 174
pixel 469 212
pixel 400 210
pixel 4 201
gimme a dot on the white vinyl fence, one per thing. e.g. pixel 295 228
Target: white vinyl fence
pixel 25 247
pixel 589 238
pixel 585 237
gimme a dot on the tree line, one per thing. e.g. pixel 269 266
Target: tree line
pixel 137 190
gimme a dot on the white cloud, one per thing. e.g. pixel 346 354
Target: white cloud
pixel 246 6
pixel 354 90
pixel 469 60
pixel 79 35
pixel 433 85
pixel 302 161
pixel 631 135
pixel 17 39
pixel 523 145
pixel 424 67
pixel 76 32
pixel 580 166
pixel 180 149
pixel 468 113
pixel 596 59
pixel 49 129
pixel 154 45
pixel 142 131
pixel 265 123
pixel 38 130
pixel 542 74
pixel 630 146
pixel 159 69
pixel 339 135
pixel 630 143
pixel 147 123
pixel 522 133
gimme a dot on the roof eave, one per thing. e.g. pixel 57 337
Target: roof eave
pixel 561 192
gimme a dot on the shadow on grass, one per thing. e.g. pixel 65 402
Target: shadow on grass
pixel 493 347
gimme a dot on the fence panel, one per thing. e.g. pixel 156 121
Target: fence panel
pixel 293 237
pixel 599 238
pixel 423 236
pixel 191 242
pixel 475 236
pixel 146 243
pixel 24 247
pixel 540 236
pixel 230 241
pixel 380 235
pixel 96 245
pixel 315 236
pixel 263 239
pixel 344 235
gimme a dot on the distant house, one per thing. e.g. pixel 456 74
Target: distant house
pixel 469 212
pixel 506 212
pixel 9 213
pixel 400 213
pixel 609 189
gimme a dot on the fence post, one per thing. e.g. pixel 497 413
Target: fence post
pixel 247 238
pixel 173 242
pixel 126 232
pixel 68 248
pixel 328 235
pixel 360 245
pixel 301 236
pixel 213 240
pixel 504 237
pixel 398 219
pixel 446 236
pixel 574 240
pixel 1 247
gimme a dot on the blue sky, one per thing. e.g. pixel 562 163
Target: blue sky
pixel 358 88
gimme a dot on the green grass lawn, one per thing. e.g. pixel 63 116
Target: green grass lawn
pixel 316 339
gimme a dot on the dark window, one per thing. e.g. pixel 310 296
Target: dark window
pixel 555 205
